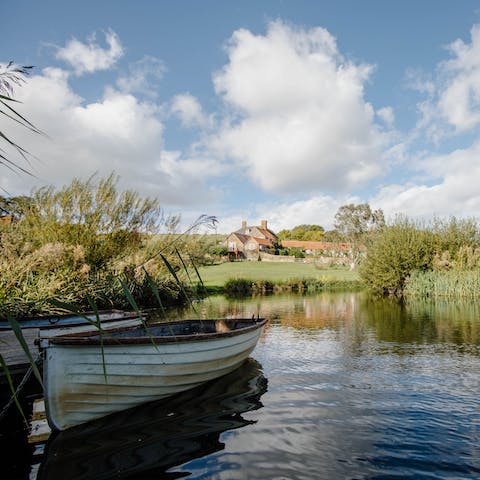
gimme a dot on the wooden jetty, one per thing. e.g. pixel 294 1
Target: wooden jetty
pixel 12 352
pixel 38 436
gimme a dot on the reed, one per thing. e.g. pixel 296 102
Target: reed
pixel 448 284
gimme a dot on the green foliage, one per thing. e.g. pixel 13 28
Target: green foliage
pixel 455 234
pixel 238 287
pixel 332 236
pixel 303 232
pixel 396 251
pixel 451 284
pixel 295 252
pixel 70 243
pixel 245 287
pixel 92 214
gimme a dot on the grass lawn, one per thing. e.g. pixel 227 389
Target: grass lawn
pixel 217 275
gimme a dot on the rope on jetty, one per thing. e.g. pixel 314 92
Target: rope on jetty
pixel 18 390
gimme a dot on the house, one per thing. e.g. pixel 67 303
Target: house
pixel 248 241
pixel 331 249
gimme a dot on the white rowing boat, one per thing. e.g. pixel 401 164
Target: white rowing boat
pixel 87 376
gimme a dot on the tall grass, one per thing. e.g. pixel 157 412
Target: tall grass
pixel 449 284
pixel 72 243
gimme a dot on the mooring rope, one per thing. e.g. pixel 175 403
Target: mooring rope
pixel 18 390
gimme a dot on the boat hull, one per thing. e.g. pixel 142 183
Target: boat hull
pixel 84 381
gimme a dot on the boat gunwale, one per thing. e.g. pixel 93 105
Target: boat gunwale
pixel 109 338
pixel 40 322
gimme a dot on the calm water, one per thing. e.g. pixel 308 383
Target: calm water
pixel 339 387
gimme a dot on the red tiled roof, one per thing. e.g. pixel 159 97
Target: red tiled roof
pixel 243 238
pixel 267 233
pixel 307 245
pixel 262 241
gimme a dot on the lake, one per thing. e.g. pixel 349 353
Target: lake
pixel 340 386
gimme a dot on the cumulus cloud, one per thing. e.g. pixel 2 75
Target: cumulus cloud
pixel 317 210
pixel 452 105
pixel 443 184
pixel 459 100
pixel 452 189
pixel 189 110
pixel 300 121
pixel 386 115
pixel 90 57
pixel 143 77
pixel 118 132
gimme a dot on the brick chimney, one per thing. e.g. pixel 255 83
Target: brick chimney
pixel 264 224
pixel 244 224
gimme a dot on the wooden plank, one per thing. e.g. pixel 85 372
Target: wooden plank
pixel 39 429
pixel 34 472
pixel 38 412
pixel 12 352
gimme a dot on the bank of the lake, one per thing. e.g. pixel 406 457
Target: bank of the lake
pixel 266 277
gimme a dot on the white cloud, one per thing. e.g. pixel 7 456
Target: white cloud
pixel 460 99
pixel 90 57
pixel 189 110
pixel 143 77
pixel 456 193
pixel 301 122
pixel 386 114
pixel 452 105
pixel 317 210
pixel 116 133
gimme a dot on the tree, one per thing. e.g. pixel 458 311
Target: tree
pixel 355 224
pixel 395 252
pixel 11 76
pixel 303 232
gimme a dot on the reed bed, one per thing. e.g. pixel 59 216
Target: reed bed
pixel 448 284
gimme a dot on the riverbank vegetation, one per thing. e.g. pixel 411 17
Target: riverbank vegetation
pixel 245 278
pixel 440 258
pixel 74 243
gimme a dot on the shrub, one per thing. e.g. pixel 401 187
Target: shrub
pixel 395 252
pixel 238 287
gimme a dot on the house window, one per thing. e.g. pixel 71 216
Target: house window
pixel 231 245
pixel 251 246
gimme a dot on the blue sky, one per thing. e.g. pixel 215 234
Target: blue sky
pixel 278 110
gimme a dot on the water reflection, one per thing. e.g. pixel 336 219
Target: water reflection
pixel 358 388
pixel 145 442
pixel 388 319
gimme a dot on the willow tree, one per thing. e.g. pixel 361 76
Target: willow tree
pixel 395 252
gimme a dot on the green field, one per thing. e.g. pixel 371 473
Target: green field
pixel 217 275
